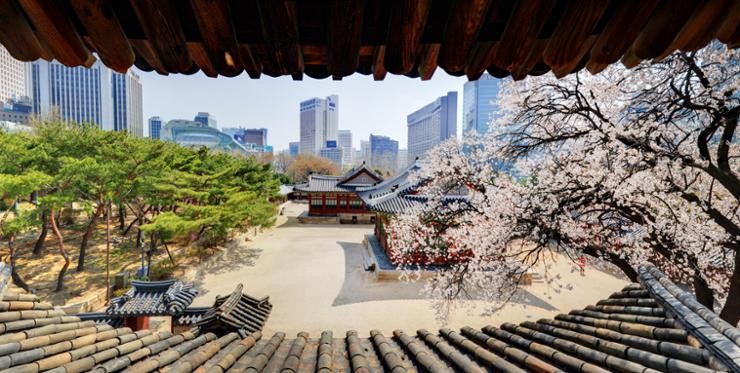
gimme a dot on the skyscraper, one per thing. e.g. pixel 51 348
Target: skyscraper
pixel 344 141
pixel 432 124
pixel 257 136
pixel 319 123
pixel 12 76
pixel 206 119
pixel 155 127
pixel 335 155
pixel 293 148
pixel 479 104
pixel 97 95
pixel 364 151
pixel 383 153
pixel 403 159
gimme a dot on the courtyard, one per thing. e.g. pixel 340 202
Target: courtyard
pixel 314 276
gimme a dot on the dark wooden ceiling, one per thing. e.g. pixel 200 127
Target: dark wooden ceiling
pixel 336 38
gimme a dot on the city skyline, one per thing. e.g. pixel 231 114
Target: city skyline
pixel 272 103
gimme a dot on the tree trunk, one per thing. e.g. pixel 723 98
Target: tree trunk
pixel 17 280
pixel 731 310
pixel 38 247
pixel 55 229
pixel 88 234
pixel 125 231
pixel 172 259
pixel 121 216
pixel 703 292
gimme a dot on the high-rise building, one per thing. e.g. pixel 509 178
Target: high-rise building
pixel 335 155
pixel 206 119
pixel 344 141
pixel 155 127
pixel 479 104
pixel 257 136
pixel 13 80
pixel 403 159
pixel 432 124
pixel 16 111
pixel 96 94
pixel 383 153
pixel 364 151
pixel 319 123
pixel 293 148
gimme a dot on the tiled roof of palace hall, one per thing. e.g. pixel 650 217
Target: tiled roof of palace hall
pixel 649 327
pixel 151 298
pixel 398 194
pixel 343 183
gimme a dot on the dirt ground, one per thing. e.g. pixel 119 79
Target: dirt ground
pixel 41 272
pixel 314 277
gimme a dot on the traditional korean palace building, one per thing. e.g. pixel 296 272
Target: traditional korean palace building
pixel 337 195
pixel 396 196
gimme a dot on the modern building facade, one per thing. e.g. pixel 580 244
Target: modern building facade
pixel 206 119
pixel 155 127
pixel 383 153
pixel 403 159
pixel 344 141
pixel 364 152
pixel 479 104
pixel 257 136
pixel 96 95
pixel 335 155
pixel 319 123
pixel 13 76
pixel 432 124
pixel 16 111
pixel 190 133
pixel 294 148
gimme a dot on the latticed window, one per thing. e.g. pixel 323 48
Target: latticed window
pixel 355 204
pixel 331 202
pixel 317 202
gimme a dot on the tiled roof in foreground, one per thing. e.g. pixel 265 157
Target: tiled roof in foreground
pixel 152 298
pixel 641 329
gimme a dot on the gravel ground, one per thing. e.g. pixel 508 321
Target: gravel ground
pixel 313 275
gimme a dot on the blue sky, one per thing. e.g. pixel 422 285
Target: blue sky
pixel 365 106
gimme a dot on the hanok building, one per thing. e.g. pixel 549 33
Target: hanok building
pixel 397 196
pixel 337 195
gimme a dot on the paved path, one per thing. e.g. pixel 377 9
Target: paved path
pixel 313 275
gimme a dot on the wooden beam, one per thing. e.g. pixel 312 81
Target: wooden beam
pixel 145 51
pixel 533 58
pixel 428 60
pixel 566 46
pixel 61 37
pixel 16 35
pixel 627 21
pixel 580 62
pixel 219 40
pixel 481 57
pixel 344 33
pixel 161 25
pixel 406 25
pixel 729 31
pixel 520 34
pixel 461 31
pixel 379 70
pixel 250 60
pixel 668 18
pixel 280 29
pixel 701 26
pixel 105 32
pixel 202 58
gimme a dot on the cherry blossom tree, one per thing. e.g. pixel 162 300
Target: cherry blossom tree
pixel 628 166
